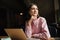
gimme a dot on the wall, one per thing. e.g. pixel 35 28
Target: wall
pixel 46 9
pixel 14 7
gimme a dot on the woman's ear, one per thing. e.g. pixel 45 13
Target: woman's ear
pixel 38 15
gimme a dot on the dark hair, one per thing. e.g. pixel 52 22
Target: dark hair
pixel 27 9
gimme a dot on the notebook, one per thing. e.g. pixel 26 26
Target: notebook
pixel 5 38
pixel 16 34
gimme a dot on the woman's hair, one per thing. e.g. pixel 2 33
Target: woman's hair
pixel 27 9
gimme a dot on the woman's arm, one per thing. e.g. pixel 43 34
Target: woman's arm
pixel 45 27
pixel 28 31
pixel 45 32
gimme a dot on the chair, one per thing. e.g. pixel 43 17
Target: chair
pixel 53 30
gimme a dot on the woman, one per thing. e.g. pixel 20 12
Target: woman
pixel 36 27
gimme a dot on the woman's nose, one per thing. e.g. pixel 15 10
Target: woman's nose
pixel 35 10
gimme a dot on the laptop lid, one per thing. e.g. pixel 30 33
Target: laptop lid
pixel 16 34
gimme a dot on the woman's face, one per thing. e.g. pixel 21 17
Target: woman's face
pixel 33 10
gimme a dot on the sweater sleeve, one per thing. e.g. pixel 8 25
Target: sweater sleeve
pixel 28 31
pixel 45 27
pixel 44 30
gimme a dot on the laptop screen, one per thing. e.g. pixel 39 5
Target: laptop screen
pixel 16 33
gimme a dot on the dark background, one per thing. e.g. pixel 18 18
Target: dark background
pixel 9 9
pixel 10 12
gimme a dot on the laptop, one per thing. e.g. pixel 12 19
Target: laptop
pixel 16 34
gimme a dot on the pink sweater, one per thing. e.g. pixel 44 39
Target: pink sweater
pixel 38 27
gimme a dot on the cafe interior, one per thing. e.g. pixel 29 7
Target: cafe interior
pixel 11 14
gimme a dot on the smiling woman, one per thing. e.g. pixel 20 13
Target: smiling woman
pixel 36 27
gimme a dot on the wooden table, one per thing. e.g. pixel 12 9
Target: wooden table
pixel 53 38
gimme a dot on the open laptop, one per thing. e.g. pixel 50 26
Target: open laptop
pixel 16 34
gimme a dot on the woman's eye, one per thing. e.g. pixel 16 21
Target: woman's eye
pixel 34 8
pixel 37 8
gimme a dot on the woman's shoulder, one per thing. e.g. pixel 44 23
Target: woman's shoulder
pixel 42 18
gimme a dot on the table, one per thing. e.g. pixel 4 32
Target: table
pixel 6 38
pixel 52 38
pixel 32 39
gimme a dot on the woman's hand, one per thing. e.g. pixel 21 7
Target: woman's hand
pixel 35 36
pixel 39 36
